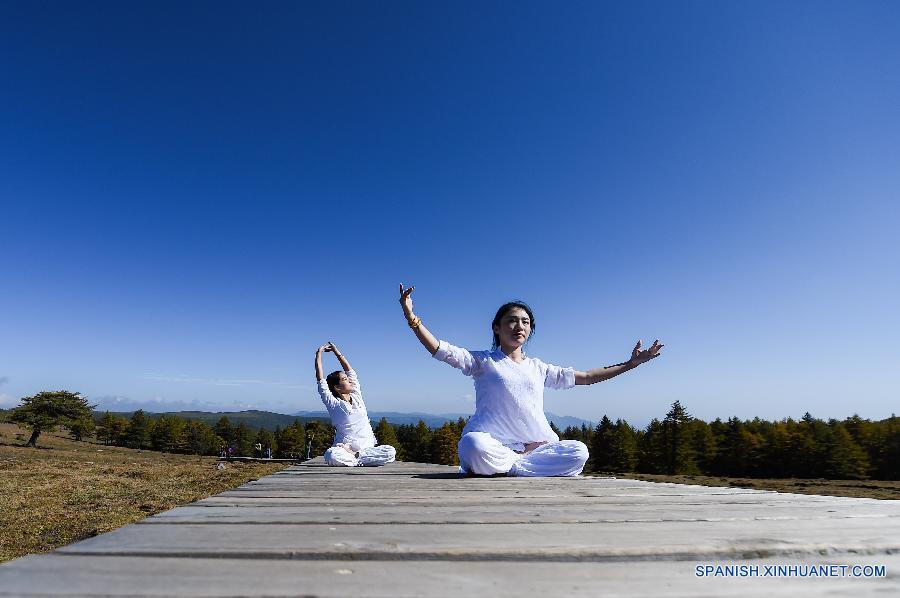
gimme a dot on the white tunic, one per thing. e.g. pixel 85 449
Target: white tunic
pixel 509 396
pixel 350 420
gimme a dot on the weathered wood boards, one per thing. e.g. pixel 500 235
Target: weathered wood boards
pixel 413 529
pixel 78 576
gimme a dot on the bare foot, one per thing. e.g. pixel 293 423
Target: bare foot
pixel 346 447
pixel 533 445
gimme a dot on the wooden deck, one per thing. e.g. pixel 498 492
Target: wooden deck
pixel 411 529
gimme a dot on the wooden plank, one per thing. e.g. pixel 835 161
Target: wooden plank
pixel 595 542
pixel 503 512
pixel 77 576
pixel 481 498
pixel 500 485
pixel 402 491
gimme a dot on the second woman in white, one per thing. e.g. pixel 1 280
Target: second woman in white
pixel 354 441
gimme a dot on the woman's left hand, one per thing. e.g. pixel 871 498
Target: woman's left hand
pixel 638 356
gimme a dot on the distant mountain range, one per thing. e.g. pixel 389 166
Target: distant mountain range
pixel 268 420
pixel 564 421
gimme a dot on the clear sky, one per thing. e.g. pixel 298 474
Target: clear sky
pixel 195 195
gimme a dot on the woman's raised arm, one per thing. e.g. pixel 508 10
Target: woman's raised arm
pixel 415 322
pixel 320 375
pixel 637 358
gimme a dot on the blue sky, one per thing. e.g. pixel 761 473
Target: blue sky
pixel 196 195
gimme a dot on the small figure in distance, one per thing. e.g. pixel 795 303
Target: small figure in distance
pixel 509 432
pixel 354 441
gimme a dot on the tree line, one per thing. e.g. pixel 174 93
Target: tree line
pixel 173 434
pixel 679 444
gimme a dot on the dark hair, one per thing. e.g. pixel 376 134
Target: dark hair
pixel 505 309
pixel 332 379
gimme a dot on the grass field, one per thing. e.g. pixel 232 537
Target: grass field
pixel 64 491
pixel 853 488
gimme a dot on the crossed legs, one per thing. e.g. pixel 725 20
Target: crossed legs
pixel 480 453
pixel 342 455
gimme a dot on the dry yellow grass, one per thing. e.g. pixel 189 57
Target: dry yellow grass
pixel 64 491
pixel 885 490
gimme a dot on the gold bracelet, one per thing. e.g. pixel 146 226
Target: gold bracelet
pixel 415 323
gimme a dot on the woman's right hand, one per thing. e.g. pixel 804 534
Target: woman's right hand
pixel 415 322
pixel 406 301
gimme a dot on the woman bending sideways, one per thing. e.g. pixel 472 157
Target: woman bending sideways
pixel 354 441
pixel 509 433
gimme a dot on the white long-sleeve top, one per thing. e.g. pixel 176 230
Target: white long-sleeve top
pixel 350 420
pixel 509 396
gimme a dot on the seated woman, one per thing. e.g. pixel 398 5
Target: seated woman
pixel 509 432
pixel 354 441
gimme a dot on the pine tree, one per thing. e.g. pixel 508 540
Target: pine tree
pixel 243 440
pixel 319 437
pixel 46 410
pixel 199 439
pixel 81 427
pixel 571 433
pixel 291 442
pixel 889 449
pixel 678 453
pixel 820 439
pixel 167 434
pixel 406 434
pixel 653 449
pixel 224 430
pixel 106 430
pixel 846 459
pixel 703 445
pixel 120 431
pixel 623 448
pixel 385 434
pixel 138 435
pixel 601 446
pixel 587 434
pixel 421 450
pixel 443 445
pixel 555 429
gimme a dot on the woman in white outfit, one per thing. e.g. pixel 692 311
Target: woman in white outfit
pixel 509 433
pixel 354 441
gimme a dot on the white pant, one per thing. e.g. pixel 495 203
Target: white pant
pixel 369 457
pixel 480 453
